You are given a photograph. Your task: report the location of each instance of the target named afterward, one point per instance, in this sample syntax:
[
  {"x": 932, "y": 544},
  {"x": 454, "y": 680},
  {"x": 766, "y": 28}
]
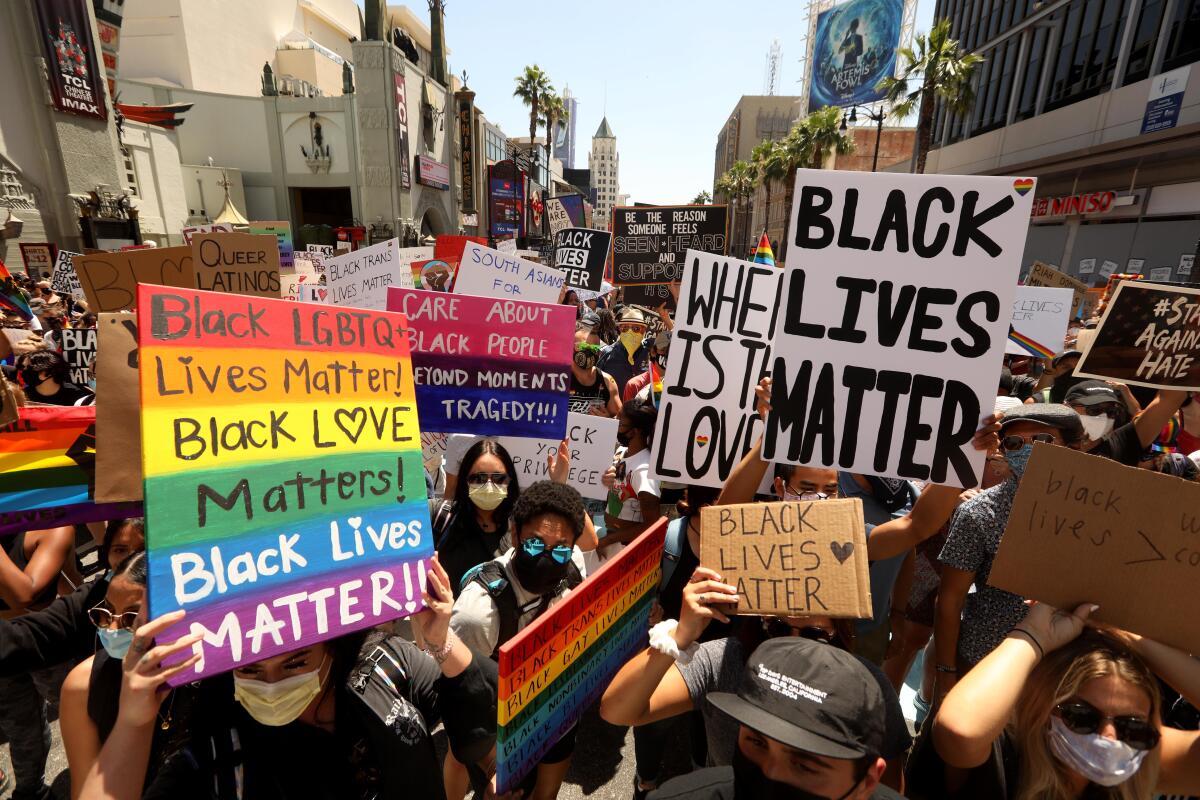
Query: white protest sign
[
  {"x": 63, "y": 278},
  {"x": 485, "y": 272},
  {"x": 894, "y": 318},
  {"x": 1134, "y": 266},
  {"x": 1161, "y": 273},
  {"x": 292, "y": 284},
  {"x": 361, "y": 278},
  {"x": 1185, "y": 263},
  {"x": 720, "y": 349},
  {"x": 323, "y": 250},
  {"x": 506, "y": 246},
  {"x": 557, "y": 216},
  {"x": 1107, "y": 268},
  {"x": 593, "y": 441},
  {"x": 1039, "y": 321},
  {"x": 1087, "y": 266}
]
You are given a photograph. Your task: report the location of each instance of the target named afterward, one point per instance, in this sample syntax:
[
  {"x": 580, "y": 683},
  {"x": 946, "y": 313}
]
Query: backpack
[
  {"x": 672, "y": 549},
  {"x": 494, "y": 580}
]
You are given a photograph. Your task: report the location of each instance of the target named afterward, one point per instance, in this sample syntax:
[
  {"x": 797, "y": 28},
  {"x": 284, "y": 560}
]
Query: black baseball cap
[
  {"x": 1054, "y": 362},
  {"x": 1054, "y": 415},
  {"x": 1091, "y": 393},
  {"x": 810, "y": 696}
]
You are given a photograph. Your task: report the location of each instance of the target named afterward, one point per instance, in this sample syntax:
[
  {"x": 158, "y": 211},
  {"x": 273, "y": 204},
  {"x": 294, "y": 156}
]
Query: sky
[{"x": 667, "y": 72}]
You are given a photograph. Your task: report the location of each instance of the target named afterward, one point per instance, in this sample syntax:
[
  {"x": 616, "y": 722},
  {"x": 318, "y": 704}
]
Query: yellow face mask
[
  {"x": 631, "y": 340},
  {"x": 278, "y": 703}
]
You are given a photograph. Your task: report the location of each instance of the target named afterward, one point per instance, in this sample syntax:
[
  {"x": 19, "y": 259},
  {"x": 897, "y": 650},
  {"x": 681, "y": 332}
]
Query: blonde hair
[{"x": 1057, "y": 678}]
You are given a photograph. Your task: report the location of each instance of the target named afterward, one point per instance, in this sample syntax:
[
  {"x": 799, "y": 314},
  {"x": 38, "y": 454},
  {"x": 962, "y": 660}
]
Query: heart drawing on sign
[
  {"x": 1023, "y": 185},
  {"x": 322, "y": 294},
  {"x": 842, "y": 550},
  {"x": 357, "y": 416},
  {"x": 355, "y": 522},
  {"x": 702, "y": 440}
]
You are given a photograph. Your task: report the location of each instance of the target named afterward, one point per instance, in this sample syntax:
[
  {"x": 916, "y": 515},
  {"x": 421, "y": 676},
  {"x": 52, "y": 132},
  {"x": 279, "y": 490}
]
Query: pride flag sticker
[{"x": 1023, "y": 185}]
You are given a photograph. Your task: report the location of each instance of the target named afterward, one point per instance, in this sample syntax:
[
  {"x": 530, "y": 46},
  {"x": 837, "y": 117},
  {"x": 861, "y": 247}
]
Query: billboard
[
  {"x": 505, "y": 200},
  {"x": 854, "y": 47}
]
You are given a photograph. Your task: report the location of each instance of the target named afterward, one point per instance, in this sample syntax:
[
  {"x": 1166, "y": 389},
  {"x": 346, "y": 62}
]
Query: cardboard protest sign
[
  {"x": 433, "y": 450},
  {"x": 39, "y": 258},
  {"x": 8, "y": 402},
  {"x": 282, "y": 231},
  {"x": 557, "y": 667},
  {"x": 237, "y": 263},
  {"x": 907, "y": 334},
  {"x": 1042, "y": 274},
  {"x": 488, "y": 366},
  {"x": 283, "y": 478},
  {"x": 64, "y": 279},
  {"x": 192, "y": 230},
  {"x": 790, "y": 558},
  {"x": 1039, "y": 321},
  {"x": 485, "y": 272},
  {"x": 581, "y": 254},
  {"x": 720, "y": 349},
  {"x": 593, "y": 440},
  {"x": 1149, "y": 336},
  {"x": 110, "y": 280},
  {"x": 1134, "y": 532},
  {"x": 47, "y": 469},
  {"x": 118, "y": 421},
  {"x": 649, "y": 242},
  {"x": 78, "y": 350},
  {"x": 361, "y": 279}
]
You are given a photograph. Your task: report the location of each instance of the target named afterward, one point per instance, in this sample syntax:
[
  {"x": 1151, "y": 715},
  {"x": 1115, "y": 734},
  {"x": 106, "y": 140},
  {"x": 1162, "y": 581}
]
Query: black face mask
[
  {"x": 32, "y": 378},
  {"x": 584, "y": 360},
  {"x": 539, "y": 574},
  {"x": 1062, "y": 384},
  {"x": 749, "y": 781}
]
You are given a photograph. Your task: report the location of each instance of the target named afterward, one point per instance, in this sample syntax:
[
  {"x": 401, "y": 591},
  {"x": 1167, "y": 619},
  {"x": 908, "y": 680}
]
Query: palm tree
[
  {"x": 770, "y": 161},
  {"x": 738, "y": 185},
  {"x": 553, "y": 112},
  {"x": 703, "y": 198},
  {"x": 532, "y": 85},
  {"x": 947, "y": 73},
  {"x": 822, "y": 136}
]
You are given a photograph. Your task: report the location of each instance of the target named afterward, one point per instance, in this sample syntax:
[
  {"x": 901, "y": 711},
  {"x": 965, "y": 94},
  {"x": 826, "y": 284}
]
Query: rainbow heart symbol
[
  {"x": 1023, "y": 186},
  {"x": 702, "y": 440}
]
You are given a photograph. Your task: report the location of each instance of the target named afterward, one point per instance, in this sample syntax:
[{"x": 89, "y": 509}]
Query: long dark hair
[
  {"x": 462, "y": 500},
  {"x": 113, "y": 527},
  {"x": 606, "y": 326}
]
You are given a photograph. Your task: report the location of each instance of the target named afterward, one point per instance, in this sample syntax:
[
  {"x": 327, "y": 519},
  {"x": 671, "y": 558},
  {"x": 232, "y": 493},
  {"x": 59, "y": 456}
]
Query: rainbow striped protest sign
[
  {"x": 552, "y": 671},
  {"x": 284, "y": 489},
  {"x": 48, "y": 470}
]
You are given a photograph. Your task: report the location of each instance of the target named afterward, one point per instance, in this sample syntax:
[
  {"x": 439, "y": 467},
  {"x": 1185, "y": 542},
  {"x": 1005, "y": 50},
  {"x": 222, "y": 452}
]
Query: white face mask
[
  {"x": 1105, "y": 762},
  {"x": 1096, "y": 428}
]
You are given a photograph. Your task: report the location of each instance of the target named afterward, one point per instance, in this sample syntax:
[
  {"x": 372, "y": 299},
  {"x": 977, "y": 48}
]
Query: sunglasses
[
  {"x": 1082, "y": 717},
  {"x": 1105, "y": 408},
  {"x": 480, "y": 478},
  {"x": 1013, "y": 442},
  {"x": 101, "y": 617},
  {"x": 535, "y": 547}
]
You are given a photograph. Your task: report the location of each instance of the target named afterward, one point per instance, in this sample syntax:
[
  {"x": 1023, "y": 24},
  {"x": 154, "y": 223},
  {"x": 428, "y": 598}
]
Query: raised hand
[
  {"x": 558, "y": 462},
  {"x": 702, "y": 596},
  {"x": 144, "y": 683},
  {"x": 434, "y": 621}
]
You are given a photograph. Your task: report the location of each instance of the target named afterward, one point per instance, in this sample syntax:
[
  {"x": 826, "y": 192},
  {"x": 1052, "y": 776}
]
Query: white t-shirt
[{"x": 623, "y": 500}]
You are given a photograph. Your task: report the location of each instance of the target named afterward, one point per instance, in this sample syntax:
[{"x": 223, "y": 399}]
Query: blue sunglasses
[{"x": 535, "y": 547}]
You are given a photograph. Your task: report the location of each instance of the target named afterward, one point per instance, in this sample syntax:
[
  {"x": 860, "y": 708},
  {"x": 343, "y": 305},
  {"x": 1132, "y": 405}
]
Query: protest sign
[
  {"x": 1161, "y": 273},
  {"x": 720, "y": 349},
  {"x": 324, "y": 250},
  {"x": 790, "y": 558},
  {"x": 485, "y": 272},
  {"x": 39, "y": 258},
  {"x": 433, "y": 450},
  {"x": 486, "y": 366},
  {"x": 1106, "y": 269},
  {"x": 64, "y": 278},
  {"x": 556, "y": 215},
  {"x": 47, "y": 468},
  {"x": 649, "y": 296},
  {"x": 1149, "y": 336},
  {"x": 78, "y": 350},
  {"x": 118, "y": 423},
  {"x": 450, "y": 248},
  {"x": 237, "y": 263},
  {"x": 361, "y": 279},
  {"x": 1134, "y": 265},
  {"x": 1135, "y": 530},
  {"x": 8, "y": 402},
  {"x": 507, "y": 246},
  {"x": 1186, "y": 262},
  {"x": 1087, "y": 266},
  {"x": 1091, "y": 303},
  {"x": 216, "y": 227},
  {"x": 593, "y": 440},
  {"x": 282, "y": 231},
  {"x": 557, "y": 667},
  {"x": 292, "y": 284},
  {"x": 1039, "y": 321},
  {"x": 283, "y": 478},
  {"x": 110, "y": 280},
  {"x": 1042, "y": 274},
  {"x": 907, "y": 333},
  {"x": 581, "y": 254},
  {"x": 649, "y": 242}
]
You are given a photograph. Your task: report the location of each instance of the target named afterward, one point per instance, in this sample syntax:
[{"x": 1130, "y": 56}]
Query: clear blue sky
[{"x": 672, "y": 71}]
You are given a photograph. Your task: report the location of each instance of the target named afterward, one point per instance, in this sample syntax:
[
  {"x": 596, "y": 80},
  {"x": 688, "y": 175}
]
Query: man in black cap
[
  {"x": 812, "y": 727},
  {"x": 1103, "y": 408}
]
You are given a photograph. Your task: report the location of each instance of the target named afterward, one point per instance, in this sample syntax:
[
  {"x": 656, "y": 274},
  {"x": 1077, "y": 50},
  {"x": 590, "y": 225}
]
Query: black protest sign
[
  {"x": 895, "y": 317},
  {"x": 649, "y": 296},
  {"x": 1149, "y": 336},
  {"x": 580, "y": 253},
  {"x": 78, "y": 350},
  {"x": 649, "y": 242}
]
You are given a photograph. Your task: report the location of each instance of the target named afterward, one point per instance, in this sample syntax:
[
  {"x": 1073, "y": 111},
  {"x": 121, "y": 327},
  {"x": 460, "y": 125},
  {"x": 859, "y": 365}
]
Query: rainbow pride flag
[
  {"x": 656, "y": 384},
  {"x": 47, "y": 470},
  {"x": 1039, "y": 350},
  {"x": 12, "y": 299},
  {"x": 763, "y": 254},
  {"x": 284, "y": 484}
]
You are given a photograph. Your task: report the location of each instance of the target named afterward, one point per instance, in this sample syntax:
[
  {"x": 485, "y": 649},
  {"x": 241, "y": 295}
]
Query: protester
[
  {"x": 658, "y": 348},
  {"x": 1114, "y": 425},
  {"x": 45, "y": 374},
  {"x": 628, "y": 355},
  {"x": 571, "y": 298},
  {"x": 633, "y": 500},
  {"x": 605, "y": 330},
  {"x": 1058, "y": 378},
  {"x": 592, "y": 391}
]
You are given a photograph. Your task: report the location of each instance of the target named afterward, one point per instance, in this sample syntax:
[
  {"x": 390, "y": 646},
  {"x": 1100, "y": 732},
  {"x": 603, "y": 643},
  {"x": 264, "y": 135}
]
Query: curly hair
[
  {"x": 548, "y": 497},
  {"x": 47, "y": 361}
]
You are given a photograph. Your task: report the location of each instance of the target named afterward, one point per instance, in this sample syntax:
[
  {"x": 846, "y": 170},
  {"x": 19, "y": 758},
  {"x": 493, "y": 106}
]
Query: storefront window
[
  {"x": 1183, "y": 36},
  {"x": 1032, "y": 77},
  {"x": 1144, "y": 39}
]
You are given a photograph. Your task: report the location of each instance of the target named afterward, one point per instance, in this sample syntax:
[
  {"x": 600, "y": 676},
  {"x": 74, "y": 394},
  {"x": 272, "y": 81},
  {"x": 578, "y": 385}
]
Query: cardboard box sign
[
  {"x": 1134, "y": 536},
  {"x": 790, "y": 559},
  {"x": 109, "y": 280}
]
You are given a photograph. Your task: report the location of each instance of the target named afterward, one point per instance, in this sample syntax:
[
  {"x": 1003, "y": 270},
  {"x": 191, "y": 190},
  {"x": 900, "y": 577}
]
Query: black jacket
[{"x": 59, "y": 632}]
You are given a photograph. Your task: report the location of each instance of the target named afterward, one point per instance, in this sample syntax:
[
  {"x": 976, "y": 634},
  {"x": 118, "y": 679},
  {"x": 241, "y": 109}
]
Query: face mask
[
  {"x": 632, "y": 340},
  {"x": 1105, "y": 762},
  {"x": 538, "y": 574},
  {"x": 584, "y": 360},
  {"x": 1017, "y": 459},
  {"x": 91, "y": 384},
  {"x": 1096, "y": 428},
  {"x": 749, "y": 781},
  {"x": 489, "y": 496},
  {"x": 116, "y": 643},
  {"x": 278, "y": 703},
  {"x": 32, "y": 378}
]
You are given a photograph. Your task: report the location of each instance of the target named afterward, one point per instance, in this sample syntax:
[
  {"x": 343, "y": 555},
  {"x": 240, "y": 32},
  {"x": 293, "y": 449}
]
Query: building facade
[
  {"x": 1096, "y": 99},
  {"x": 564, "y": 134},
  {"x": 605, "y": 165}
]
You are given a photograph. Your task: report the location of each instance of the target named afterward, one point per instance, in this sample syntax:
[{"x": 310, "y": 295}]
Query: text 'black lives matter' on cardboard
[
  {"x": 581, "y": 253},
  {"x": 1149, "y": 336},
  {"x": 720, "y": 350},
  {"x": 896, "y": 307},
  {"x": 1135, "y": 535},
  {"x": 790, "y": 558},
  {"x": 649, "y": 242}
]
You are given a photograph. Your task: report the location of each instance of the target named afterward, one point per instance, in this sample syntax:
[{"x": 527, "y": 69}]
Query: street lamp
[{"x": 875, "y": 116}]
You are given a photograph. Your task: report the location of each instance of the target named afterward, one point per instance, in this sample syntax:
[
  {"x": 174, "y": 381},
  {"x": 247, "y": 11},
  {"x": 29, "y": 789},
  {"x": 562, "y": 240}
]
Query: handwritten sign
[
  {"x": 78, "y": 350},
  {"x": 593, "y": 440},
  {"x": 1149, "y": 336},
  {"x": 556, "y": 668},
  {"x": 118, "y": 422},
  {"x": 581, "y": 254},
  {"x": 192, "y": 230},
  {"x": 1161, "y": 273},
  {"x": 110, "y": 280},
  {"x": 1087, "y": 266},
  {"x": 1107, "y": 268},
  {"x": 40, "y": 259},
  {"x": 237, "y": 263},
  {"x": 282, "y": 231},
  {"x": 1039, "y": 321},
  {"x": 285, "y": 497},
  {"x": 556, "y": 215},
  {"x": 649, "y": 242},
  {"x": 488, "y": 366},
  {"x": 721, "y": 348},
  {"x": 64, "y": 279},
  {"x": 361, "y": 279},
  {"x": 886, "y": 364},
  {"x": 1042, "y": 274},
  {"x": 1137, "y": 532},
  {"x": 791, "y": 558},
  {"x": 485, "y": 272}
]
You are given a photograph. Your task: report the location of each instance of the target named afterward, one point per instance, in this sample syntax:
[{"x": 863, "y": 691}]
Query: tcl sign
[{"x": 1090, "y": 203}]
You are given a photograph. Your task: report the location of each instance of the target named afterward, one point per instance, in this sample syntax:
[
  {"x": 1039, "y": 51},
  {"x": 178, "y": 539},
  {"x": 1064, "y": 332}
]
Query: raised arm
[
  {"x": 747, "y": 476},
  {"x": 1150, "y": 422}
]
